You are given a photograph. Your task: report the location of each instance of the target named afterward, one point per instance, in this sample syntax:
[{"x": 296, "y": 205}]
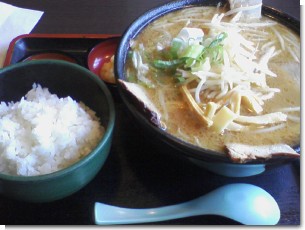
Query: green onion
[
  {"x": 215, "y": 50},
  {"x": 180, "y": 79},
  {"x": 192, "y": 57},
  {"x": 129, "y": 54},
  {"x": 189, "y": 62},
  {"x": 193, "y": 51},
  {"x": 220, "y": 37},
  {"x": 160, "y": 64},
  {"x": 132, "y": 78},
  {"x": 175, "y": 47}
]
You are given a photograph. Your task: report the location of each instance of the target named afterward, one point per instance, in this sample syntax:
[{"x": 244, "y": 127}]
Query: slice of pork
[
  {"x": 242, "y": 153},
  {"x": 249, "y": 8},
  {"x": 143, "y": 102}
]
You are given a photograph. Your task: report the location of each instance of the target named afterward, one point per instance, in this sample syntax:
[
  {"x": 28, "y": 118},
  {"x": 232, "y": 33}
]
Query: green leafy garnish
[
  {"x": 220, "y": 37},
  {"x": 191, "y": 57},
  {"x": 132, "y": 78},
  {"x": 171, "y": 64}
]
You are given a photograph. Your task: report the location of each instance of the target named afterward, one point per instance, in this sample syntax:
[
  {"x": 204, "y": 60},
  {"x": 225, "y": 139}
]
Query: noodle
[{"x": 245, "y": 73}]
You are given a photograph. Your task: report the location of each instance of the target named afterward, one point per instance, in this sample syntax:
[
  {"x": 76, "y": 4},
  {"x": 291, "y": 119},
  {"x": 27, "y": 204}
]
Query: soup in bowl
[{"x": 219, "y": 81}]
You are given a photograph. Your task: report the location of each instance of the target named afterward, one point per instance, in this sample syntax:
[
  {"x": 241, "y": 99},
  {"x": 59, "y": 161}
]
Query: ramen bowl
[
  {"x": 209, "y": 159},
  {"x": 63, "y": 79}
]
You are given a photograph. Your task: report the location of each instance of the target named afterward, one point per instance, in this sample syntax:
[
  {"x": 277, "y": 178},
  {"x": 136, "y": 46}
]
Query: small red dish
[
  {"x": 50, "y": 55},
  {"x": 101, "y": 54}
]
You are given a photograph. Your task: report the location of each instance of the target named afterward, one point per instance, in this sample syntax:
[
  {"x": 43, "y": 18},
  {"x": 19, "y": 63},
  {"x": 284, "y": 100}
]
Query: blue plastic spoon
[{"x": 244, "y": 203}]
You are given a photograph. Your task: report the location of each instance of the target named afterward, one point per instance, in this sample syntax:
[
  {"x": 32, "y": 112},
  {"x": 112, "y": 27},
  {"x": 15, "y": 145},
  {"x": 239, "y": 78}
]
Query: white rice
[{"x": 42, "y": 133}]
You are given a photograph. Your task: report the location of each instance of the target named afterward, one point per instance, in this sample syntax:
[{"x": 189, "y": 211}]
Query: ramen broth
[{"x": 176, "y": 115}]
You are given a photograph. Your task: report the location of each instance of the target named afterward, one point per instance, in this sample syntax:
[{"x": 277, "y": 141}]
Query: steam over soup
[{"x": 217, "y": 79}]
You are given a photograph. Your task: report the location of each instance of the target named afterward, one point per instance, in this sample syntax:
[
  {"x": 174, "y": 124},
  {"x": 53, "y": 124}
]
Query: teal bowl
[{"x": 64, "y": 79}]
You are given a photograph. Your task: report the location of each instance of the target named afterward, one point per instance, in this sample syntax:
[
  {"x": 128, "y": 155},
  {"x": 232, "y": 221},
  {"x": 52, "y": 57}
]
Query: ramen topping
[{"x": 231, "y": 75}]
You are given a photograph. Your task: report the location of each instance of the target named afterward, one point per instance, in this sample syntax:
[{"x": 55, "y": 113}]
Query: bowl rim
[
  {"x": 52, "y": 55},
  {"x": 135, "y": 29},
  {"x": 102, "y": 142}
]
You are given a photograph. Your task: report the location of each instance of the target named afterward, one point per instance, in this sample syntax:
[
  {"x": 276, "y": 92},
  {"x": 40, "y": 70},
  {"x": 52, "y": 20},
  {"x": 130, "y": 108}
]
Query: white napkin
[{"x": 15, "y": 21}]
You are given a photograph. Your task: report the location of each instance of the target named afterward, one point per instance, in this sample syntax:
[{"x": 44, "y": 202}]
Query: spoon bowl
[{"x": 244, "y": 203}]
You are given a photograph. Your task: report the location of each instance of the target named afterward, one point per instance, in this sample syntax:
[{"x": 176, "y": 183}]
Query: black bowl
[{"x": 210, "y": 160}]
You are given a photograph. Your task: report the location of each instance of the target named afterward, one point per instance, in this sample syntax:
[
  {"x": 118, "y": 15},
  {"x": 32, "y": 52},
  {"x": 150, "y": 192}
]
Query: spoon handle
[
  {"x": 109, "y": 215},
  {"x": 244, "y": 203}
]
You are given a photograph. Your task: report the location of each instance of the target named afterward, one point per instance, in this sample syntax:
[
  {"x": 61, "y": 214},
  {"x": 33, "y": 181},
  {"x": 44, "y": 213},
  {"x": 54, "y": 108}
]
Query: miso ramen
[{"x": 217, "y": 79}]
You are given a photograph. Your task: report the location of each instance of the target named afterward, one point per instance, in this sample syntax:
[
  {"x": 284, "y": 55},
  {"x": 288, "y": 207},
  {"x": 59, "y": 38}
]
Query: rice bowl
[{"x": 63, "y": 79}]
